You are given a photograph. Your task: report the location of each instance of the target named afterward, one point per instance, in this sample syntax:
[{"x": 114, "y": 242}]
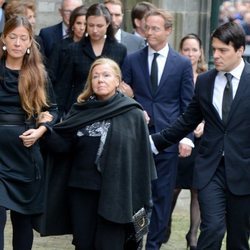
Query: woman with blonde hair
[
  {"x": 24, "y": 96},
  {"x": 110, "y": 164}
]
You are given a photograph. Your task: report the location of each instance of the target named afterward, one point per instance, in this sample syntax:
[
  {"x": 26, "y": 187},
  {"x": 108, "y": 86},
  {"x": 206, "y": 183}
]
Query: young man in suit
[
  {"x": 57, "y": 32},
  {"x": 222, "y": 170},
  {"x": 164, "y": 99},
  {"x": 137, "y": 17},
  {"x": 132, "y": 42}
]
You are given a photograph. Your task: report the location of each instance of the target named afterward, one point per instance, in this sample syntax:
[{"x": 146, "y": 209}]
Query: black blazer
[
  {"x": 51, "y": 35},
  {"x": 230, "y": 139},
  {"x": 76, "y": 65},
  {"x": 57, "y": 55}
]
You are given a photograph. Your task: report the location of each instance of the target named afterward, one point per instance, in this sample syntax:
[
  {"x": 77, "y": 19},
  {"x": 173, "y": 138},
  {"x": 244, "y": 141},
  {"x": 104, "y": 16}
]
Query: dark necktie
[
  {"x": 154, "y": 73},
  {"x": 227, "y": 97}
]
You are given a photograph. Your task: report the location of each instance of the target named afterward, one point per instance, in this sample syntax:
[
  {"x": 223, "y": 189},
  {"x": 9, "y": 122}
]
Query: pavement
[{"x": 176, "y": 241}]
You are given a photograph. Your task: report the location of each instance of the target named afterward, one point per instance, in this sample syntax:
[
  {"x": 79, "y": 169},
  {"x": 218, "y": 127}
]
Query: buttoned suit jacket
[
  {"x": 132, "y": 42},
  {"x": 173, "y": 94},
  {"x": 231, "y": 139},
  {"x": 51, "y": 35}
]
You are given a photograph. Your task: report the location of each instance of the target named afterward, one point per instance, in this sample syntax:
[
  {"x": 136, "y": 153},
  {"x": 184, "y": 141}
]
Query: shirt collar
[
  {"x": 164, "y": 51},
  {"x": 236, "y": 72},
  {"x": 118, "y": 35}
]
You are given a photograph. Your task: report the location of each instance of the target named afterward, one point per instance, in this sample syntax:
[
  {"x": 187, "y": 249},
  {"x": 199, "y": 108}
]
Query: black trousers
[
  {"x": 91, "y": 231},
  {"x": 223, "y": 211}
]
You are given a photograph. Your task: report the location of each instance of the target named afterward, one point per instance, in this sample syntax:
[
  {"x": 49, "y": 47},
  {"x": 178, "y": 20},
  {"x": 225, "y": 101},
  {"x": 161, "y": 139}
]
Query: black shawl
[{"x": 127, "y": 164}]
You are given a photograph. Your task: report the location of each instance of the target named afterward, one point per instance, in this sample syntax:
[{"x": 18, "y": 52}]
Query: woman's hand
[
  {"x": 44, "y": 117},
  {"x": 126, "y": 89},
  {"x": 30, "y": 136}
]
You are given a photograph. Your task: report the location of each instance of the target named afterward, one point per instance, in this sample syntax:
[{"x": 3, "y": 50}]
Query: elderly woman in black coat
[{"x": 110, "y": 164}]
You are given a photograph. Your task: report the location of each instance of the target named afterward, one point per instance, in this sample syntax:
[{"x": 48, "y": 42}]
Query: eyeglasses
[
  {"x": 66, "y": 12},
  {"x": 154, "y": 29}
]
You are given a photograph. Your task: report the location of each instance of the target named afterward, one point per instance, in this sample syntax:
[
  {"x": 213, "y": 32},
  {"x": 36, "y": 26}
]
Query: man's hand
[{"x": 184, "y": 150}]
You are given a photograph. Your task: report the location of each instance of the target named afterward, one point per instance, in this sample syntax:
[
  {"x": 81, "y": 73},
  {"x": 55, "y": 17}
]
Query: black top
[
  {"x": 76, "y": 65},
  {"x": 21, "y": 168}
]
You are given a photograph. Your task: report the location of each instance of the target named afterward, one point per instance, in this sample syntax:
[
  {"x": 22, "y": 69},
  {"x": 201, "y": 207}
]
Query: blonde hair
[
  {"x": 166, "y": 15},
  {"x": 18, "y": 8},
  {"x": 201, "y": 66},
  {"x": 88, "y": 90},
  {"x": 32, "y": 77}
]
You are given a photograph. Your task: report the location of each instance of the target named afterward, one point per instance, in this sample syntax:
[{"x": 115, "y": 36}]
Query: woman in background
[
  {"x": 98, "y": 41},
  {"x": 77, "y": 25},
  {"x": 25, "y": 8},
  {"x": 191, "y": 47},
  {"x": 24, "y": 94}
]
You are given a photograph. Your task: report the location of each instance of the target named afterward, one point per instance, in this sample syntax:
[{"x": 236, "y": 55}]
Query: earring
[
  {"x": 86, "y": 34},
  {"x": 4, "y": 48},
  {"x": 28, "y": 51},
  {"x": 105, "y": 36}
]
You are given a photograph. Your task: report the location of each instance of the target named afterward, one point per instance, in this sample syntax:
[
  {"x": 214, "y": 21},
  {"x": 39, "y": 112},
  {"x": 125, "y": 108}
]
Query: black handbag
[{"x": 140, "y": 222}]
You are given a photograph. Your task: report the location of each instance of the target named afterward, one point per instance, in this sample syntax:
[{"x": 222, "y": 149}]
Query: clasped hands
[{"x": 30, "y": 136}]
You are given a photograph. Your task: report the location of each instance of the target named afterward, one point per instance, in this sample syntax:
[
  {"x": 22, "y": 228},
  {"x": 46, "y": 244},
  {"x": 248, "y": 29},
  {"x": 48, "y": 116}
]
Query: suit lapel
[
  {"x": 169, "y": 67},
  {"x": 242, "y": 88},
  {"x": 143, "y": 63},
  {"x": 208, "y": 90}
]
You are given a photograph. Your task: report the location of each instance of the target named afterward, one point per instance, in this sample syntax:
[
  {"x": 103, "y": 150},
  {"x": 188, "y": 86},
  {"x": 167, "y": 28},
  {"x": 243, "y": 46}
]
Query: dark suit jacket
[
  {"x": 56, "y": 58},
  {"x": 51, "y": 35},
  {"x": 132, "y": 42},
  {"x": 231, "y": 138},
  {"x": 76, "y": 65},
  {"x": 174, "y": 92}
]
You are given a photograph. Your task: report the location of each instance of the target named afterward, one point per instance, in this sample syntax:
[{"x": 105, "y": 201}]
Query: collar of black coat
[{"x": 82, "y": 114}]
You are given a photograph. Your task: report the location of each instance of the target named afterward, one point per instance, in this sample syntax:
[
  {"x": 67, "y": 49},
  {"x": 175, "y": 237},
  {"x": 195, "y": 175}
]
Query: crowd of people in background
[{"x": 98, "y": 123}]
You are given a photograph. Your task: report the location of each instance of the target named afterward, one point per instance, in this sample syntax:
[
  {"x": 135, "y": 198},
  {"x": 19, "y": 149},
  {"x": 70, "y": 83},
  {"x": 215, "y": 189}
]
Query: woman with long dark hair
[{"x": 25, "y": 95}]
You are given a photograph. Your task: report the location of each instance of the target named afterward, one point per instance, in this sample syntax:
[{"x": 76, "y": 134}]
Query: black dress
[{"x": 21, "y": 168}]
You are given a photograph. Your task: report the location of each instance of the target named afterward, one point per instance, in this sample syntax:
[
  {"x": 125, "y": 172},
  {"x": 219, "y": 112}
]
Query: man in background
[
  {"x": 55, "y": 33},
  {"x": 131, "y": 41},
  {"x": 137, "y": 17},
  {"x": 162, "y": 81}
]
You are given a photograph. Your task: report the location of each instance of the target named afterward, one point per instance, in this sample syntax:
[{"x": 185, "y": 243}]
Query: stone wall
[{"x": 190, "y": 16}]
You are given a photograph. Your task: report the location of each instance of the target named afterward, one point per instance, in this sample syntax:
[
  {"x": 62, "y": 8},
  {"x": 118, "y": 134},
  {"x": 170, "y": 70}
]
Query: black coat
[
  {"x": 76, "y": 65},
  {"x": 126, "y": 163}
]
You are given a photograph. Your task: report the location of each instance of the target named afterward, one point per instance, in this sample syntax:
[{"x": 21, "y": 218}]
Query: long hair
[
  {"x": 201, "y": 66},
  {"x": 88, "y": 90},
  {"x": 32, "y": 77},
  {"x": 79, "y": 11}
]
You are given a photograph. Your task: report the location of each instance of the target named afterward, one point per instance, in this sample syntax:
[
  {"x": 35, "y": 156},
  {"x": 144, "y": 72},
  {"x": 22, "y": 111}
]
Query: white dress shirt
[
  {"x": 220, "y": 83},
  {"x": 161, "y": 61}
]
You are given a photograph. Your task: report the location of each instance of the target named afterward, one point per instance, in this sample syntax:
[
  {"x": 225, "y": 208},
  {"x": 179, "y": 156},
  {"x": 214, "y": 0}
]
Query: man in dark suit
[
  {"x": 57, "y": 32},
  {"x": 163, "y": 103},
  {"x": 132, "y": 42},
  {"x": 222, "y": 170}
]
